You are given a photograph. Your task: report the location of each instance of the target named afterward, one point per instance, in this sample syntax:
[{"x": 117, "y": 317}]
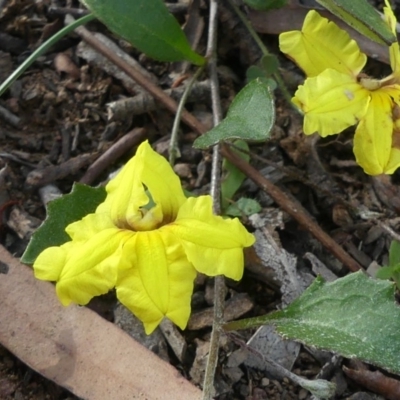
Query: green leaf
[
  {"x": 355, "y": 316},
  {"x": 255, "y": 72},
  {"x": 148, "y": 25},
  {"x": 233, "y": 177},
  {"x": 61, "y": 212},
  {"x": 363, "y": 17},
  {"x": 251, "y": 116},
  {"x": 394, "y": 253},
  {"x": 265, "y": 5},
  {"x": 392, "y": 271},
  {"x": 242, "y": 207},
  {"x": 270, "y": 64},
  {"x": 385, "y": 272}
]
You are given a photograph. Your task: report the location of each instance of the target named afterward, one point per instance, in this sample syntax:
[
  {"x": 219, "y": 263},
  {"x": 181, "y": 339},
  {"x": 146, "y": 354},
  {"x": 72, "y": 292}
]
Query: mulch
[{"x": 72, "y": 117}]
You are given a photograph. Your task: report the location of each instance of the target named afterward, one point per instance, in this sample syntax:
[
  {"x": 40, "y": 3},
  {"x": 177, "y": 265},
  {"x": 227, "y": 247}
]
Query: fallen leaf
[{"x": 76, "y": 348}]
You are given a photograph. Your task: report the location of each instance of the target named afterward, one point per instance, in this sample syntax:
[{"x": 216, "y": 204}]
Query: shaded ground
[{"x": 58, "y": 115}]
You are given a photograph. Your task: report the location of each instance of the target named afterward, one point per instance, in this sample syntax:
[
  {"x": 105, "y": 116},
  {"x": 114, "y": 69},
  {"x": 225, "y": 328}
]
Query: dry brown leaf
[
  {"x": 375, "y": 381},
  {"x": 76, "y": 348}
]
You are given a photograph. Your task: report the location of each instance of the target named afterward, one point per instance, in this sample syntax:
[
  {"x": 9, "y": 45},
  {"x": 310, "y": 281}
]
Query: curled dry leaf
[
  {"x": 63, "y": 63},
  {"x": 376, "y": 382}
]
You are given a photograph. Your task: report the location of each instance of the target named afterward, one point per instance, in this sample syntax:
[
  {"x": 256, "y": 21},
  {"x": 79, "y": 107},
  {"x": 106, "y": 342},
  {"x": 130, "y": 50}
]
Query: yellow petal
[
  {"x": 389, "y": 16},
  {"x": 394, "y": 52},
  {"x": 321, "y": 44},
  {"x": 162, "y": 182},
  {"x": 212, "y": 244},
  {"x": 89, "y": 226},
  {"x": 126, "y": 193},
  {"x": 50, "y": 262},
  {"x": 394, "y": 161},
  {"x": 331, "y": 102},
  {"x": 393, "y": 91},
  {"x": 160, "y": 282},
  {"x": 373, "y": 138},
  {"x": 91, "y": 267}
]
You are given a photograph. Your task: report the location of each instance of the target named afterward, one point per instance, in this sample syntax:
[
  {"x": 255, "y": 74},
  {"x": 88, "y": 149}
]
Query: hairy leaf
[
  {"x": 61, "y": 212},
  {"x": 251, "y": 116},
  {"x": 355, "y": 316},
  {"x": 243, "y": 206}
]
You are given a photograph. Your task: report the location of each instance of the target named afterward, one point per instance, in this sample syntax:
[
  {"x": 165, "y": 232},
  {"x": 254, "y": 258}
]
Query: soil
[{"x": 58, "y": 116}]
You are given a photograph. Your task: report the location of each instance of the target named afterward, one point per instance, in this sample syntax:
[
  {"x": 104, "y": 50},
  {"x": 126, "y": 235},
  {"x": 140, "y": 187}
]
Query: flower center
[
  {"x": 150, "y": 220},
  {"x": 370, "y": 84},
  {"x": 375, "y": 84}
]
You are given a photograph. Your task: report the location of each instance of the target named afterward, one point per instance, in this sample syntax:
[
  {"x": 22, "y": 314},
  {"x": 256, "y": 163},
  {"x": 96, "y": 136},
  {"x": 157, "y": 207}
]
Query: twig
[
  {"x": 43, "y": 176},
  {"x": 295, "y": 210},
  {"x": 123, "y": 145},
  {"x": 389, "y": 230},
  {"x": 219, "y": 282},
  {"x": 290, "y": 172},
  {"x": 97, "y": 60},
  {"x": 144, "y": 102},
  {"x": 18, "y": 160},
  {"x": 62, "y": 11},
  {"x": 9, "y": 117},
  {"x": 151, "y": 87}
]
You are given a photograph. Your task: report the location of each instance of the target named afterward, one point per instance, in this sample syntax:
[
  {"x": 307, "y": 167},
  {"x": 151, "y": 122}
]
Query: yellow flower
[
  {"x": 147, "y": 240},
  {"x": 337, "y": 94}
]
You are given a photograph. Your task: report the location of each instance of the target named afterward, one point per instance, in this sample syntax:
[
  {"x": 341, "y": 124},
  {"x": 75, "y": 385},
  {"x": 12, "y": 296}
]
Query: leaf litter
[{"x": 61, "y": 115}]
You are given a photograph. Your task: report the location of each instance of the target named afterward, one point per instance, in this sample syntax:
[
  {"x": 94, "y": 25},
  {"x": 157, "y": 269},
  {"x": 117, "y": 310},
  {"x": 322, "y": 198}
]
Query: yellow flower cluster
[
  {"x": 337, "y": 94},
  {"x": 147, "y": 240}
]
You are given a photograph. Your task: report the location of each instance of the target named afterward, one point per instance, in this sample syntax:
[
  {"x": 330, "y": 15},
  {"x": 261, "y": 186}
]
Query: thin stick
[
  {"x": 132, "y": 138},
  {"x": 219, "y": 282},
  {"x": 146, "y": 83},
  {"x": 293, "y": 208},
  {"x": 9, "y": 117}
]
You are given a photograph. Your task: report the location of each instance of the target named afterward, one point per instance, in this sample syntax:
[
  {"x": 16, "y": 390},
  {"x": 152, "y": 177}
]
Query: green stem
[
  {"x": 41, "y": 50},
  {"x": 277, "y": 76},
  {"x": 173, "y": 144}
]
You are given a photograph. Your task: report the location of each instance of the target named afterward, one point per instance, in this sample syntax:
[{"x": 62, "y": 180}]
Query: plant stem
[
  {"x": 41, "y": 50},
  {"x": 173, "y": 149},
  {"x": 219, "y": 283}
]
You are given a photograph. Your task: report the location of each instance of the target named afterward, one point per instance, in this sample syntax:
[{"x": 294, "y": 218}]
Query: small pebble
[
  {"x": 303, "y": 394},
  {"x": 265, "y": 382},
  {"x": 183, "y": 170}
]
